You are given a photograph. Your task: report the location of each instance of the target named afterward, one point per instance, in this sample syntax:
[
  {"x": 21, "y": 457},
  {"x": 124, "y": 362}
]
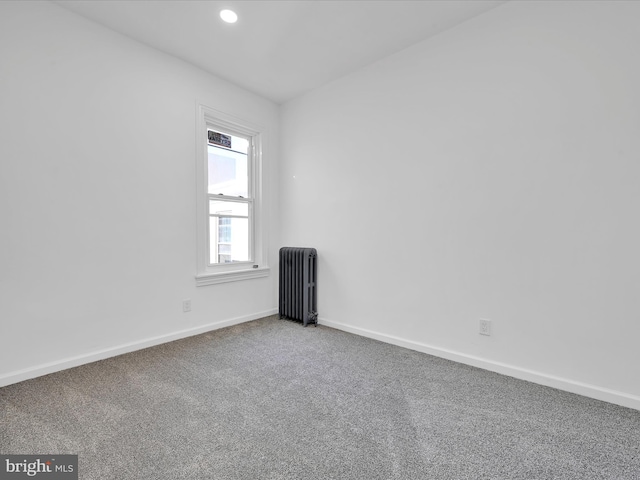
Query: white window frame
[{"x": 209, "y": 274}]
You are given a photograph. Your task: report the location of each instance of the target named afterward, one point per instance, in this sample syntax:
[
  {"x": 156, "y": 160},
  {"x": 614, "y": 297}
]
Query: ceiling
[{"x": 280, "y": 49}]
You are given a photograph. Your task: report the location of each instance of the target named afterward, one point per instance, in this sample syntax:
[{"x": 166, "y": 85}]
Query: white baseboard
[
  {"x": 591, "y": 391},
  {"x": 56, "y": 366}
]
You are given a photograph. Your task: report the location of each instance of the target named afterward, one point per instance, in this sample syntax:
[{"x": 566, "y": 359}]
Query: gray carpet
[{"x": 270, "y": 399}]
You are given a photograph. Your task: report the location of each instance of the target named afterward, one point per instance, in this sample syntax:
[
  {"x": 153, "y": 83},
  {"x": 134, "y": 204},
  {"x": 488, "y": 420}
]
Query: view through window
[{"x": 230, "y": 198}]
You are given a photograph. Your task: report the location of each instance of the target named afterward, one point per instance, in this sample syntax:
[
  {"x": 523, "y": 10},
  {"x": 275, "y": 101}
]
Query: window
[{"x": 230, "y": 225}]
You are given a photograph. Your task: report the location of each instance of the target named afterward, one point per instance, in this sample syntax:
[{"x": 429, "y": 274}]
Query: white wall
[
  {"x": 97, "y": 193},
  {"x": 515, "y": 197}
]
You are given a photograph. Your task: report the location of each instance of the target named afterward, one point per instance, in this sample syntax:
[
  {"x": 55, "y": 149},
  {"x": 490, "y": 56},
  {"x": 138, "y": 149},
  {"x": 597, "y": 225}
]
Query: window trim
[{"x": 221, "y": 273}]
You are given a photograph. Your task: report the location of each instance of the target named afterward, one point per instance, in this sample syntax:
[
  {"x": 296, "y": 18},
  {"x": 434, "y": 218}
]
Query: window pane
[
  {"x": 227, "y": 165},
  {"x": 229, "y": 239}
]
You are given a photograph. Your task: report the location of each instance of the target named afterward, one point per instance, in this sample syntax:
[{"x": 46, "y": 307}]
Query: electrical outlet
[
  {"x": 485, "y": 327},
  {"x": 186, "y": 306}
]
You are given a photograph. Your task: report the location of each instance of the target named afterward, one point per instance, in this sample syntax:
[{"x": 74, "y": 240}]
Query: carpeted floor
[{"x": 270, "y": 399}]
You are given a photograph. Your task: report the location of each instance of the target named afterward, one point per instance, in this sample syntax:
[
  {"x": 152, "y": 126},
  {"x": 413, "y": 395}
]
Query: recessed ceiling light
[{"x": 229, "y": 16}]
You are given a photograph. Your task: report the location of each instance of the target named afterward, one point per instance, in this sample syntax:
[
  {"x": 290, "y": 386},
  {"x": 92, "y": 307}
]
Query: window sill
[{"x": 204, "y": 279}]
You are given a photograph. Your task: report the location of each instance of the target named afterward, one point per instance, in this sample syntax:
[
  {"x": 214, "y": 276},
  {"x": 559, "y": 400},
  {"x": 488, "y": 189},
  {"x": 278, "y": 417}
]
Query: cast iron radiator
[{"x": 298, "y": 295}]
